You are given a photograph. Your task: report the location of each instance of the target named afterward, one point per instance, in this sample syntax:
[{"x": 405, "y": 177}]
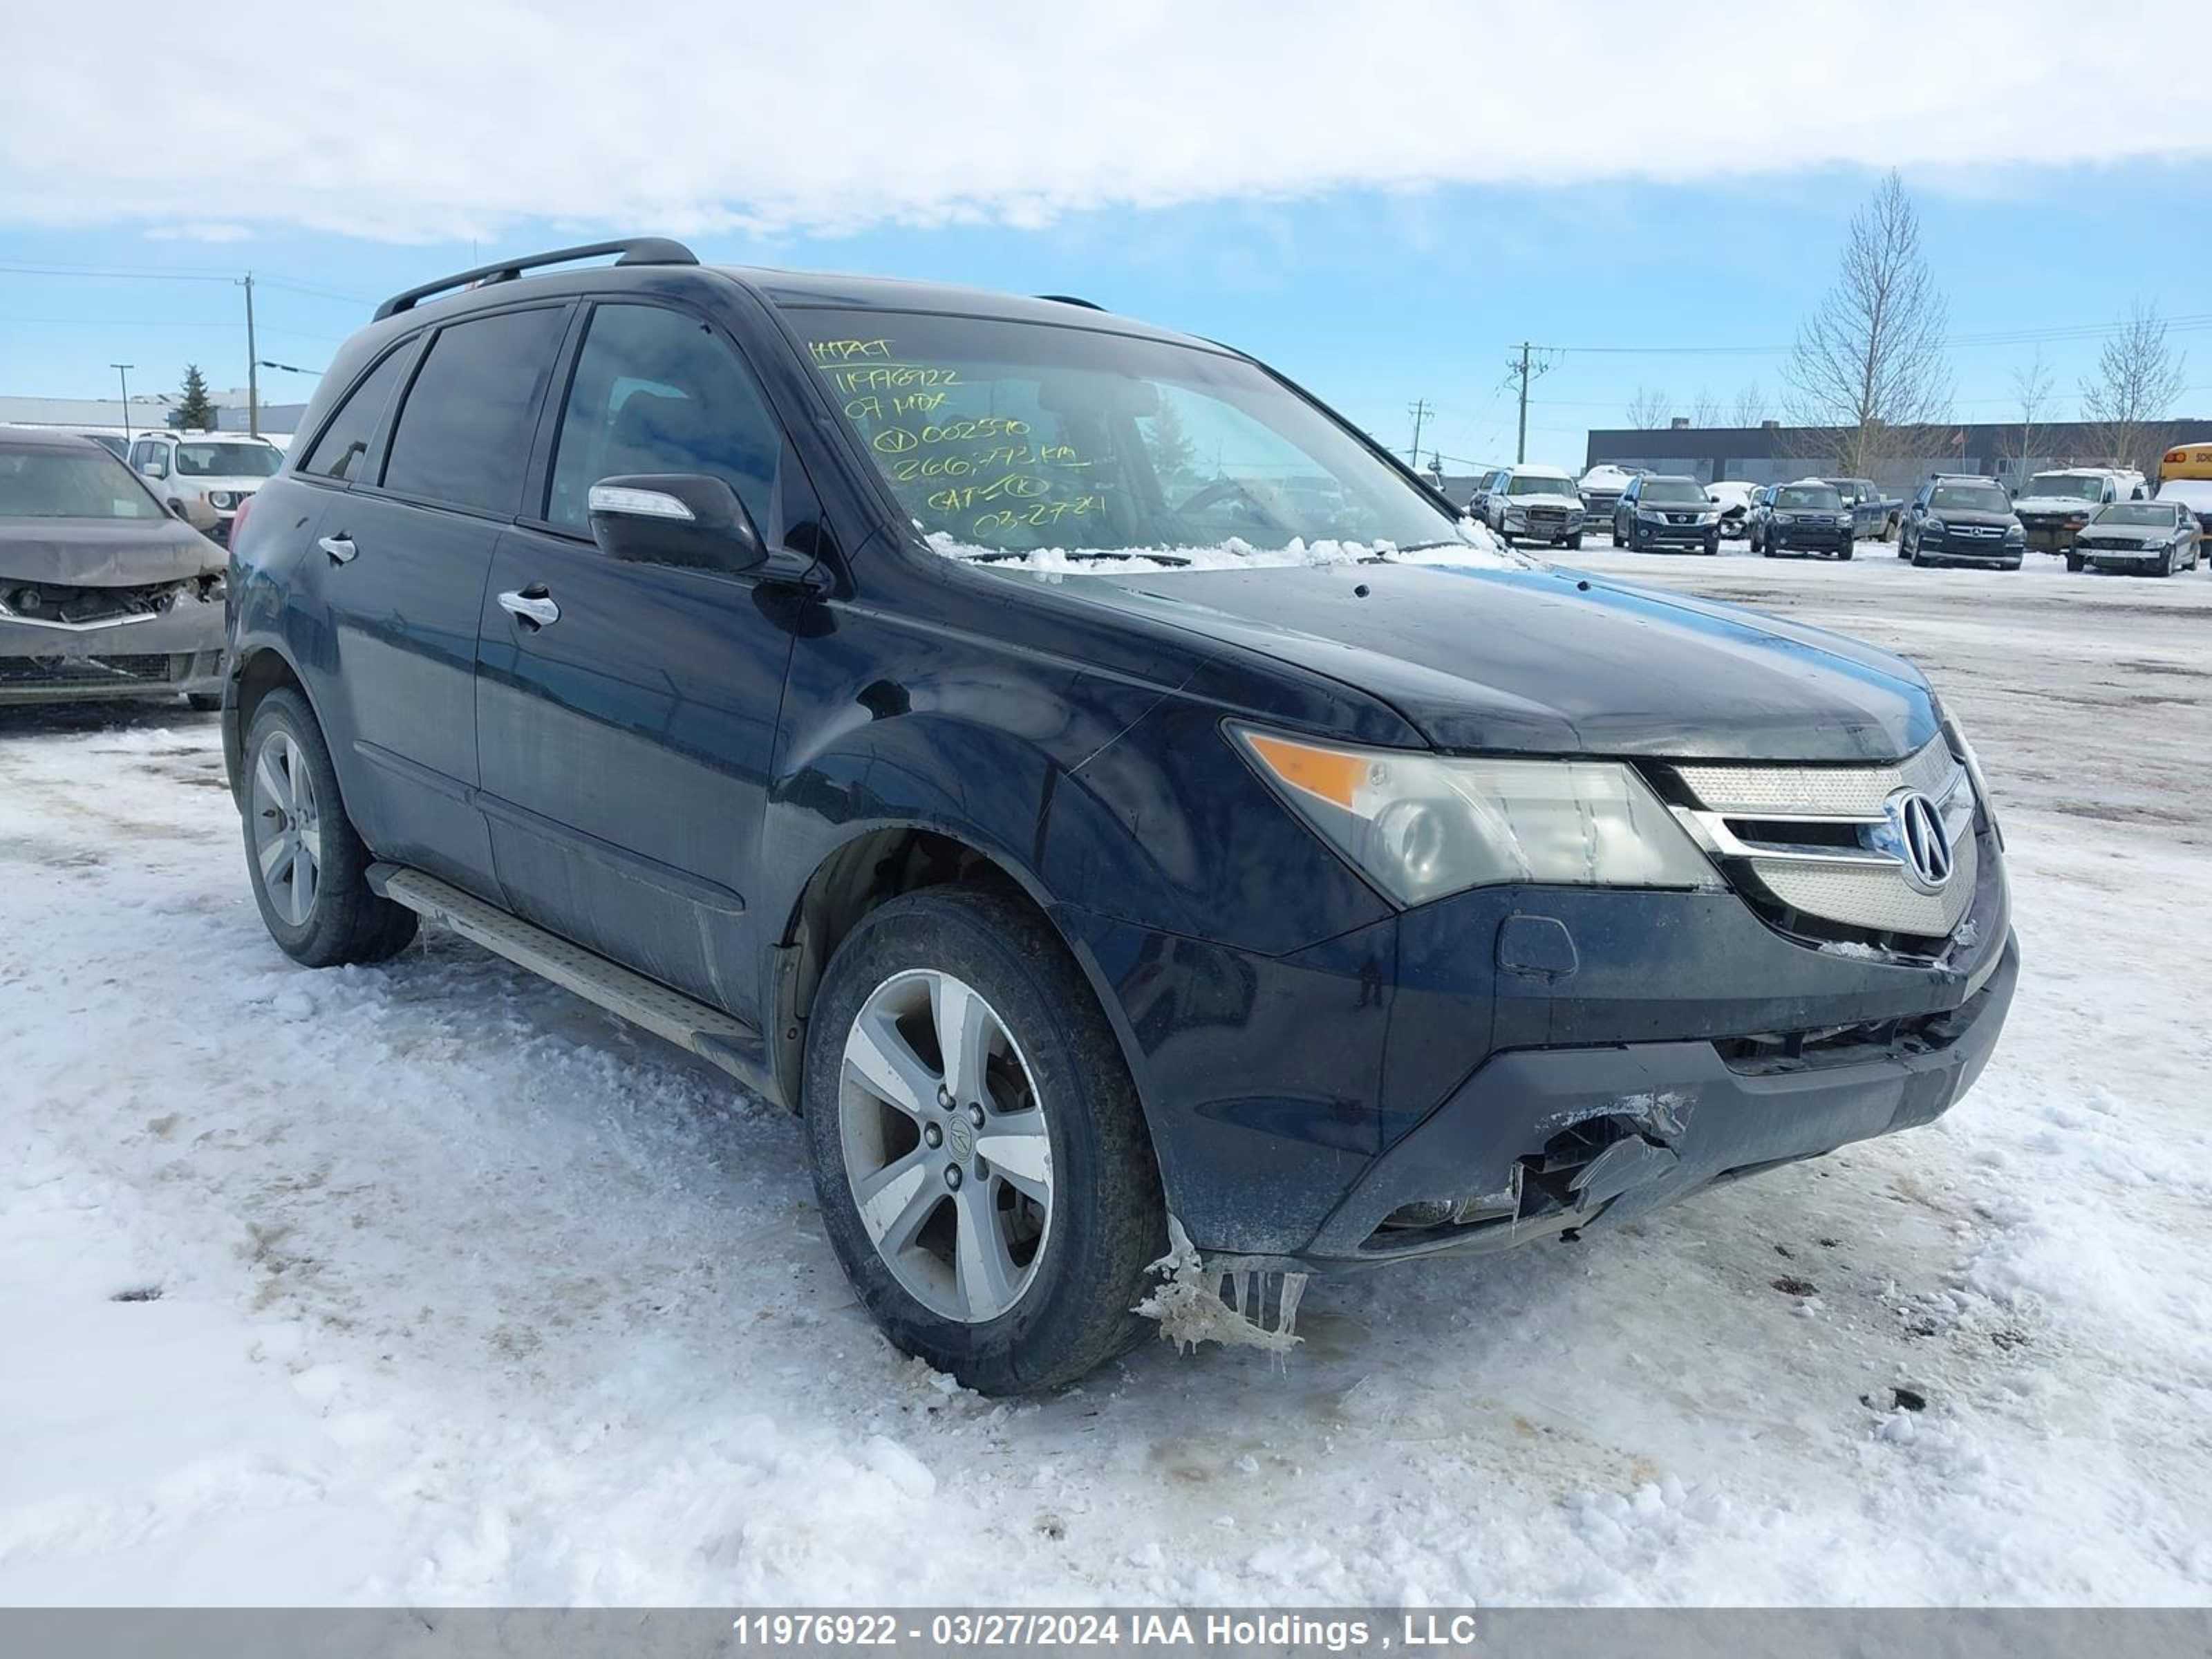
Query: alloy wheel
[
  {"x": 945, "y": 1146},
  {"x": 288, "y": 837}
]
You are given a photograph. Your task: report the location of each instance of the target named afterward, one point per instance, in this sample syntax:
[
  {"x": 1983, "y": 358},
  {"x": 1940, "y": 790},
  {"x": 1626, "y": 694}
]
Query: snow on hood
[
  {"x": 1475, "y": 547},
  {"x": 1605, "y": 476}
]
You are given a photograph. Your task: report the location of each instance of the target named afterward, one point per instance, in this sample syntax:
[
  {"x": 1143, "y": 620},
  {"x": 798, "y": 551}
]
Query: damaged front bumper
[
  {"x": 1542, "y": 1140},
  {"x": 179, "y": 650}
]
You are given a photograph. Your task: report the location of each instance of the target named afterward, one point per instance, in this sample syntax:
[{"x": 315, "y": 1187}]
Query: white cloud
[
  {"x": 408, "y": 119},
  {"x": 198, "y": 231}
]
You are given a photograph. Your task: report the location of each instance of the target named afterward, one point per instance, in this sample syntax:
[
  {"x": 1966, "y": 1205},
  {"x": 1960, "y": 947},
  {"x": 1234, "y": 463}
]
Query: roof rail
[
  {"x": 1071, "y": 299},
  {"x": 634, "y": 250}
]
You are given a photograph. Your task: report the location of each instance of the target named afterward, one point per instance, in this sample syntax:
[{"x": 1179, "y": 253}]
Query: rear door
[
  {"x": 403, "y": 555},
  {"x": 626, "y": 744}
]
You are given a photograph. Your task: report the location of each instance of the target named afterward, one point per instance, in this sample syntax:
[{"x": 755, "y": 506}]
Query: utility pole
[
  {"x": 1520, "y": 441},
  {"x": 253, "y": 366},
  {"x": 1420, "y": 411},
  {"x": 123, "y": 373}
]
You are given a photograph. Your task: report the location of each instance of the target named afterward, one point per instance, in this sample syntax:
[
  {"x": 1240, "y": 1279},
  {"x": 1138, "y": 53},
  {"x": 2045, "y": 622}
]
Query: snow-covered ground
[{"x": 428, "y": 1283}]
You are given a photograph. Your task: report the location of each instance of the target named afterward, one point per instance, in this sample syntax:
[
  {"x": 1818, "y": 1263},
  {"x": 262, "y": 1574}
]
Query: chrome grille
[{"x": 1819, "y": 840}]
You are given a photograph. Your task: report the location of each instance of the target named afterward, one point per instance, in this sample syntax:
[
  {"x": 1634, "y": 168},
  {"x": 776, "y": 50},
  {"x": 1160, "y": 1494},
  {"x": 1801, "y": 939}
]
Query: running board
[{"x": 720, "y": 1039}]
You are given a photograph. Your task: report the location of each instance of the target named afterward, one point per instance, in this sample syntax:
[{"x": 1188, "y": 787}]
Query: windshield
[
  {"x": 1007, "y": 438},
  {"x": 2158, "y": 514},
  {"x": 226, "y": 461},
  {"x": 1809, "y": 496},
  {"x": 1540, "y": 483},
  {"x": 1673, "y": 492},
  {"x": 1968, "y": 498},
  {"x": 70, "y": 483},
  {"x": 2069, "y": 484}
]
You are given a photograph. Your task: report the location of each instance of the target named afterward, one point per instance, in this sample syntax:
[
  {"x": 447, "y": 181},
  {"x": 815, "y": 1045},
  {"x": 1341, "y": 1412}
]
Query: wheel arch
[{"x": 867, "y": 870}]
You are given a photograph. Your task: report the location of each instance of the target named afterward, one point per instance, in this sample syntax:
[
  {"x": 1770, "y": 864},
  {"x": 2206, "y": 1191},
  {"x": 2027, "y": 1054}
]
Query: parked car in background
[
  {"x": 1654, "y": 511},
  {"x": 1381, "y": 910},
  {"x": 103, "y": 591},
  {"x": 1808, "y": 516},
  {"x": 1601, "y": 487},
  {"x": 220, "y": 470},
  {"x": 2153, "y": 538},
  {"x": 1875, "y": 516},
  {"x": 113, "y": 443},
  {"x": 1732, "y": 498},
  {"x": 1490, "y": 478},
  {"x": 1961, "y": 519},
  {"x": 2054, "y": 505},
  {"x": 1536, "y": 504}
]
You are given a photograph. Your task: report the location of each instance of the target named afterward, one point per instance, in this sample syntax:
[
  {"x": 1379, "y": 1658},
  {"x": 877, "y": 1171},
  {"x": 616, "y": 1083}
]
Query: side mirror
[{"x": 684, "y": 519}]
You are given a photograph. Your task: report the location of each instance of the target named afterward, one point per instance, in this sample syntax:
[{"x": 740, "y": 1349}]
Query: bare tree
[
  {"x": 1704, "y": 410},
  {"x": 2031, "y": 391},
  {"x": 1750, "y": 406},
  {"x": 2126, "y": 401},
  {"x": 1648, "y": 408},
  {"x": 1868, "y": 363}
]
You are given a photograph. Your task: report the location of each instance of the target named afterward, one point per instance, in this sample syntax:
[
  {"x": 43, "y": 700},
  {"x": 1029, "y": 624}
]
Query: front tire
[
  {"x": 1575, "y": 543},
  {"x": 2073, "y": 560},
  {"x": 980, "y": 1157},
  {"x": 307, "y": 864}
]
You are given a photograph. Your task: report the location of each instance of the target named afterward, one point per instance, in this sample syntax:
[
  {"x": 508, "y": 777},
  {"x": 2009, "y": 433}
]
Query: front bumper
[
  {"x": 2050, "y": 535},
  {"x": 1958, "y": 550},
  {"x": 1297, "y": 1101},
  {"x": 1550, "y": 531},
  {"x": 178, "y": 650},
  {"x": 1542, "y": 1141},
  {"x": 1810, "y": 538},
  {"x": 1678, "y": 535},
  {"x": 2124, "y": 558}
]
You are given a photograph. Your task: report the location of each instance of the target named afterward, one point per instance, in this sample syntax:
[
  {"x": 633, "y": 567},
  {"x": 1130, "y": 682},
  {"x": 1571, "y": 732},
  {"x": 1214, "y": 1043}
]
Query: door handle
[
  {"x": 532, "y": 605},
  {"x": 340, "y": 548}
]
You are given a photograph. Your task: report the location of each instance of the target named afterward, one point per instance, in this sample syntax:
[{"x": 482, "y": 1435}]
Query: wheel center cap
[{"x": 962, "y": 1137}]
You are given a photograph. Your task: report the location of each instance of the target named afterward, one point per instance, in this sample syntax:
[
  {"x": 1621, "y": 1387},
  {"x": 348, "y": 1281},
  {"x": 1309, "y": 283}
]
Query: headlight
[
  {"x": 1421, "y": 825},
  {"x": 1513, "y": 512},
  {"x": 1842, "y": 520},
  {"x": 1955, "y": 735},
  {"x": 2077, "y": 518},
  {"x": 1652, "y": 514},
  {"x": 1709, "y": 517},
  {"x": 1931, "y": 526},
  {"x": 2015, "y": 534},
  {"x": 221, "y": 498}
]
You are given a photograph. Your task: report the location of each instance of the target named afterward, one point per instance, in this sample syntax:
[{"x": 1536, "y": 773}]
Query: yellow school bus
[{"x": 2185, "y": 475}]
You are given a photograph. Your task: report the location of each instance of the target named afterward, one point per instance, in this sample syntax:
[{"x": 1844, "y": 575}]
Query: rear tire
[
  {"x": 1009, "y": 1324},
  {"x": 307, "y": 864}
]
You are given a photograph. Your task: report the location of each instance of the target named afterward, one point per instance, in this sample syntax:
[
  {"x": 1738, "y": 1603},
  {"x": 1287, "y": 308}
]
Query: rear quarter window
[{"x": 340, "y": 451}]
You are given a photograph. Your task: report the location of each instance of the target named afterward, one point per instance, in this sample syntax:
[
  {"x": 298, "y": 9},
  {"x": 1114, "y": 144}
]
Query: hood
[
  {"x": 1951, "y": 515},
  {"x": 1549, "y": 662},
  {"x": 2053, "y": 504},
  {"x": 1560, "y": 498},
  {"x": 104, "y": 552},
  {"x": 2130, "y": 533}
]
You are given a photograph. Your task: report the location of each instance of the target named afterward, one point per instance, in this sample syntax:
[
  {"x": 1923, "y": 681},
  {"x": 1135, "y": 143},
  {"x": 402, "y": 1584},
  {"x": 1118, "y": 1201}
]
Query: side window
[
  {"x": 338, "y": 452},
  {"x": 151, "y": 460},
  {"x": 464, "y": 431},
  {"x": 656, "y": 391}
]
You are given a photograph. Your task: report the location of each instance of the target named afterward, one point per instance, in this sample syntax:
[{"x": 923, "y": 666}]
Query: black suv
[
  {"x": 1961, "y": 519},
  {"x": 1661, "y": 512},
  {"x": 1104, "y": 794}
]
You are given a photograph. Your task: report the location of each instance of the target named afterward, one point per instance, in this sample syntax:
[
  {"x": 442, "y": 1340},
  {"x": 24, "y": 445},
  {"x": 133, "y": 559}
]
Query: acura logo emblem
[{"x": 1921, "y": 844}]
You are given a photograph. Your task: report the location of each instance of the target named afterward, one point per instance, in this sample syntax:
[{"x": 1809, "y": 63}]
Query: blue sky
[
  {"x": 1373, "y": 298},
  {"x": 1350, "y": 188}
]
